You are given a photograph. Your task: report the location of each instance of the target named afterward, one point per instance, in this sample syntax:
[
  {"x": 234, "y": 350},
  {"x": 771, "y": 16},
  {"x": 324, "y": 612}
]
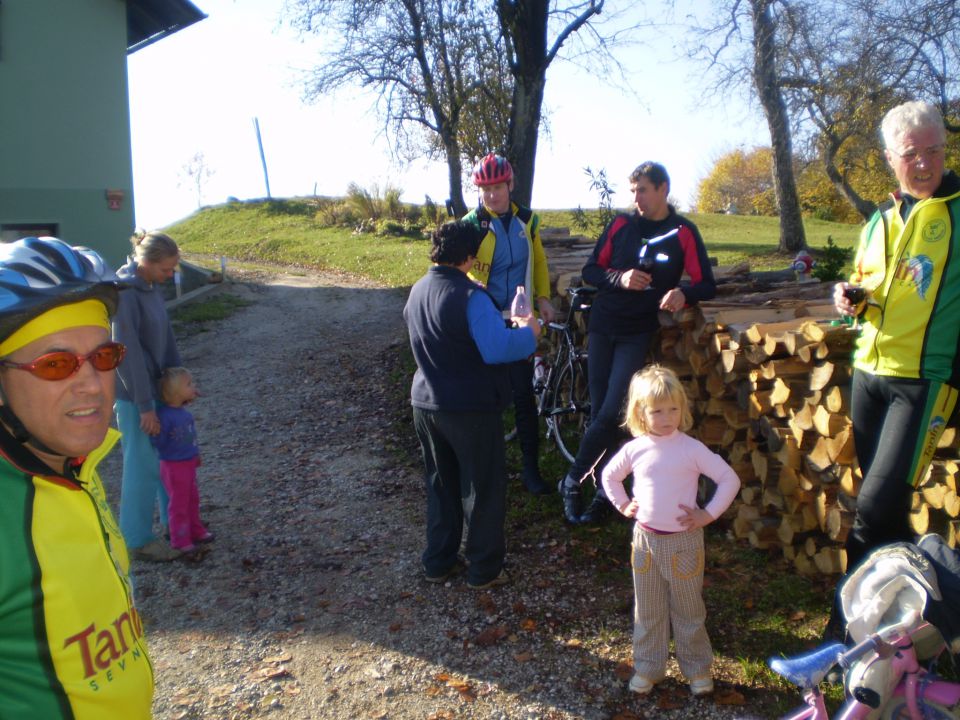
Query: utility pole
[{"x": 263, "y": 159}]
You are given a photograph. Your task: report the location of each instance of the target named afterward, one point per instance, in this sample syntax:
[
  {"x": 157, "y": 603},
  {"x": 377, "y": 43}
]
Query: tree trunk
[
  {"x": 455, "y": 179},
  {"x": 792, "y": 237},
  {"x": 525, "y": 24},
  {"x": 524, "y": 131},
  {"x": 862, "y": 206}
]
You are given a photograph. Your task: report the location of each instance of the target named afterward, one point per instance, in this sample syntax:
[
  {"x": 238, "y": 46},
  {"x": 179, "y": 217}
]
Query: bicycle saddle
[{"x": 809, "y": 669}]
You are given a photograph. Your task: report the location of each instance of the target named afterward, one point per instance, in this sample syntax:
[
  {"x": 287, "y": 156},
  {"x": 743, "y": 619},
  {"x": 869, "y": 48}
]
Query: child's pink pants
[{"x": 179, "y": 477}]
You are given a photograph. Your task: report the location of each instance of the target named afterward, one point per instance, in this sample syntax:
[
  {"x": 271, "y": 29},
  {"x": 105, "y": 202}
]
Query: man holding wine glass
[{"x": 905, "y": 293}]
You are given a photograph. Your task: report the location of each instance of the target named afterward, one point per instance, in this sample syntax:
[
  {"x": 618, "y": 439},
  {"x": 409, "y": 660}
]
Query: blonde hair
[
  {"x": 153, "y": 246},
  {"x": 649, "y": 386},
  {"x": 169, "y": 381}
]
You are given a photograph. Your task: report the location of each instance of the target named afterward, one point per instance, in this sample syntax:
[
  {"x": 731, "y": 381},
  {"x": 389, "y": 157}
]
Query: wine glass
[
  {"x": 647, "y": 265},
  {"x": 856, "y": 295}
]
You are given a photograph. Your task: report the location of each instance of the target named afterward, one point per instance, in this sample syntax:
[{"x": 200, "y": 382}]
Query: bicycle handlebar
[{"x": 882, "y": 641}]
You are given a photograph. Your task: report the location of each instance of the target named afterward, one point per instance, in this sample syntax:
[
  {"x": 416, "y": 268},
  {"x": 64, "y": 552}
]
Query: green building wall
[{"x": 65, "y": 121}]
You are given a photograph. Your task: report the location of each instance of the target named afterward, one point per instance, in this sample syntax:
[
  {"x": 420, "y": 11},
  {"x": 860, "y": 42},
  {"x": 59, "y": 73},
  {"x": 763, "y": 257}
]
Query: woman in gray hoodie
[{"x": 142, "y": 325}]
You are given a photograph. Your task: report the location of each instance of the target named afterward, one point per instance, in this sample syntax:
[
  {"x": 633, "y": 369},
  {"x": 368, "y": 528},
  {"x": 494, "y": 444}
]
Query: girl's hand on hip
[{"x": 694, "y": 518}]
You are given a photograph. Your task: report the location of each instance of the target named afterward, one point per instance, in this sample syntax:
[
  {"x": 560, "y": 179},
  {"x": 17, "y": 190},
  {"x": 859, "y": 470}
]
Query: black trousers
[
  {"x": 466, "y": 482},
  {"x": 896, "y": 425},
  {"x": 525, "y": 409}
]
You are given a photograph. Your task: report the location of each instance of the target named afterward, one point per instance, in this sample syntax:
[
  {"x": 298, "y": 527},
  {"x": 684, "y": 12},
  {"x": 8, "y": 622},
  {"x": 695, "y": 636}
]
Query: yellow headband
[{"x": 62, "y": 317}]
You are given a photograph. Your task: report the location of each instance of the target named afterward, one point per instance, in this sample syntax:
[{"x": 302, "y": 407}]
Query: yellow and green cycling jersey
[
  {"x": 71, "y": 638},
  {"x": 911, "y": 324}
]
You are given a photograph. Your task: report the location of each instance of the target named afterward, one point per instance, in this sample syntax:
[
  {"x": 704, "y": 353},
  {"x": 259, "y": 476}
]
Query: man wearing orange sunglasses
[{"x": 72, "y": 639}]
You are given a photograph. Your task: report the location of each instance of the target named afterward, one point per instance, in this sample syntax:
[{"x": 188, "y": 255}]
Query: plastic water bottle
[{"x": 520, "y": 307}]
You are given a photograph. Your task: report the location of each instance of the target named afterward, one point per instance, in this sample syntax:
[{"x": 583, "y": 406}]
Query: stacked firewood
[{"x": 769, "y": 377}]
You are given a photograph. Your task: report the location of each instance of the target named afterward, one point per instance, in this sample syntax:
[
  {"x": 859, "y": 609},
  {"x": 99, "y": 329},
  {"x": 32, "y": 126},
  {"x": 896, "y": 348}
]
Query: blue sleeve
[{"x": 497, "y": 343}]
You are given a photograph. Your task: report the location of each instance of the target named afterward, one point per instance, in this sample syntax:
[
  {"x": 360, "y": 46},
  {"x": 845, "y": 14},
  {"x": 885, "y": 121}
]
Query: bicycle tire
[
  {"x": 897, "y": 709},
  {"x": 570, "y": 408}
]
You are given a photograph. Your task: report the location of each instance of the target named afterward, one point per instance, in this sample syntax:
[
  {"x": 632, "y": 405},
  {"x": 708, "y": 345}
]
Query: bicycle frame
[
  {"x": 917, "y": 695},
  {"x": 562, "y": 392}
]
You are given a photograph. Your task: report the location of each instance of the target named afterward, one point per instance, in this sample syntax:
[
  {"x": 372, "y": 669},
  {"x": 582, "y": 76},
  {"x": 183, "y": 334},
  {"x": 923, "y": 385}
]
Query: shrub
[
  {"x": 431, "y": 216},
  {"x": 336, "y": 214},
  {"x": 831, "y": 262}
]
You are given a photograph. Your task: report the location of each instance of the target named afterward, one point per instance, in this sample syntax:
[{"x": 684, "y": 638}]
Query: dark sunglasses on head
[{"x": 61, "y": 365}]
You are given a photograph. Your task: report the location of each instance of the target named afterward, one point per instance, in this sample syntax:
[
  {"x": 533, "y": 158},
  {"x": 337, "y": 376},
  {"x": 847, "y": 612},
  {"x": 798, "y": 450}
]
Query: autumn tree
[{"x": 739, "y": 182}]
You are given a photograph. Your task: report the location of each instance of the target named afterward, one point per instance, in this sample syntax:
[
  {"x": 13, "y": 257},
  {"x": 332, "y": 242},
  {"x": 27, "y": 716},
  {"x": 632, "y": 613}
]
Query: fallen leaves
[
  {"x": 464, "y": 689},
  {"x": 623, "y": 671},
  {"x": 491, "y": 636}
]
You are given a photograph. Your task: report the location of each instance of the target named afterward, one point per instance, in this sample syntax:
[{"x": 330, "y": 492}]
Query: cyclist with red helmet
[
  {"x": 72, "y": 639},
  {"x": 511, "y": 255}
]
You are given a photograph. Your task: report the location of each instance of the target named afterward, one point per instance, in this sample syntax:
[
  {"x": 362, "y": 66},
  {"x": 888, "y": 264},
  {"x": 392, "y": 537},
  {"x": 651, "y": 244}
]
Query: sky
[{"x": 199, "y": 90}]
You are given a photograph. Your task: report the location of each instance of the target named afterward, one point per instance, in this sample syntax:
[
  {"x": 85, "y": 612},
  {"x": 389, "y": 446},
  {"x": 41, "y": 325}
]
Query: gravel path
[{"x": 311, "y": 604}]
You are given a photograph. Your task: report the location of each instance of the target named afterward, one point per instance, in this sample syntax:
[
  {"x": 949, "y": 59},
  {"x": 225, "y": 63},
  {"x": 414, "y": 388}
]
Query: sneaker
[
  {"x": 701, "y": 686},
  {"x": 641, "y": 685},
  {"x": 208, "y": 538},
  {"x": 501, "y": 579},
  {"x": 598, "y": 510},
  {"x": 155, "y": 551},
  {"x": 440, "y": 578}
]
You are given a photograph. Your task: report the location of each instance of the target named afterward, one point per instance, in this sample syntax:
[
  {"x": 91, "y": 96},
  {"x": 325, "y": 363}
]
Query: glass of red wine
[
  {"x": 856, "y": 295},
  {"x": 646, "y": 265}
]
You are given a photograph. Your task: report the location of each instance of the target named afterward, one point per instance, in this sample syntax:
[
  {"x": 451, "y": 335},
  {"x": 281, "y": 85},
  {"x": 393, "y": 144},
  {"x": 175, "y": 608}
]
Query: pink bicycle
[{"x": 886, "y": 659}]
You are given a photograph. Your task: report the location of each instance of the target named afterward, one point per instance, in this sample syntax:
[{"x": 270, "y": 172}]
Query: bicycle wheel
[
  {"x": 897, "y": 709},
  {"x": 570, "y": 411}
]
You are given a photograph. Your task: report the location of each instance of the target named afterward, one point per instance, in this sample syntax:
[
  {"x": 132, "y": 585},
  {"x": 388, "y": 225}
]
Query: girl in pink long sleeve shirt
[{"x": 667, "y": 551}]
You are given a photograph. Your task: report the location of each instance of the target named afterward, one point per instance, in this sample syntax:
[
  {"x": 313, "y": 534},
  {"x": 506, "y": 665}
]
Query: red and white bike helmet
[{"x": 491, "y": 170}]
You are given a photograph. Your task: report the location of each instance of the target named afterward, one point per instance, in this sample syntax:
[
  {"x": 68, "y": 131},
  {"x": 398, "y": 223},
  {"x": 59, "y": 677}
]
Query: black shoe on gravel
[{"x": 572, "y": 500}]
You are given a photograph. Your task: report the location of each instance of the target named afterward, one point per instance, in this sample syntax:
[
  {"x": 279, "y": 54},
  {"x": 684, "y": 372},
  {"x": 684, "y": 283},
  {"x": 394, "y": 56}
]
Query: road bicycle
[
  {"x": 560, "y": 379},
  {"x": 886, "y": 659}
]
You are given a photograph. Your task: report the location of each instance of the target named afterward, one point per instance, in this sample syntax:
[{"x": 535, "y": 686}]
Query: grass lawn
[{"x": 289, "y": 232}]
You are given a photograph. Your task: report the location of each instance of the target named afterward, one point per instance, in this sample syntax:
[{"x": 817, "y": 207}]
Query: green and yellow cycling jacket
[
  {"x": 911, "y": 325},
  {"x": 71, "y": 641}
]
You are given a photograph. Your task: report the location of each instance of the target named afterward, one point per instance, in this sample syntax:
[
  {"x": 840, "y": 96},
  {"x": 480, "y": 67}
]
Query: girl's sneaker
[
  {"x": 641, "y": 685},
  {"x": 701, "y": 686}
]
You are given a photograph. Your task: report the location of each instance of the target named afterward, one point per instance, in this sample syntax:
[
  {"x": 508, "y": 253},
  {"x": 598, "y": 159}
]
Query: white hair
[{"x": 910, "y": 116}]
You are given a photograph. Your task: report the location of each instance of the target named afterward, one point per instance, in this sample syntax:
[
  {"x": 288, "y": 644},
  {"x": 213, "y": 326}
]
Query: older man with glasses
[{"x": 905, "y": 291}]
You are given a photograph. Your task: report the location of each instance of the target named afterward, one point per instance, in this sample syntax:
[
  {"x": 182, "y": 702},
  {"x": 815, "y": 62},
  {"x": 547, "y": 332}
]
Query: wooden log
[
  {"x": 840, "y": 449},
  {"x": 831, "y": 560},
  {"x": 827, "y": 423},
  {"x": 839, "y": 522},
  {"x": 788, "y": 367},
  {"x": 804, "y": 565},
  {"x": 819, "y": 456},
  {"x": 850, "y": 481},
  {"x": 837, "y": 399},
  {"x": 828, "y": 373},
  {"x": 925, "y": 520}
]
